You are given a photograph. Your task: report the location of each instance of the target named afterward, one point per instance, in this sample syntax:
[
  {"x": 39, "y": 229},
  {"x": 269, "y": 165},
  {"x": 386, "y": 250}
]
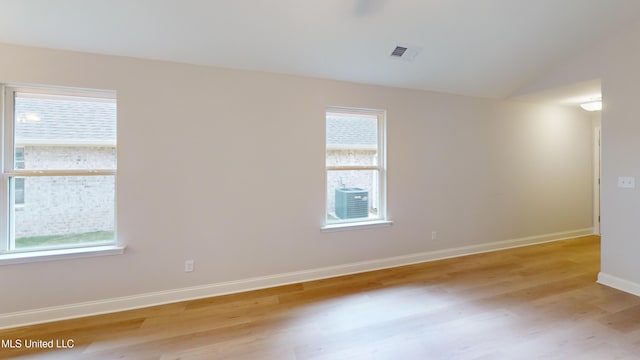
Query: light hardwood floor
[{"x": 536, "y": 302}]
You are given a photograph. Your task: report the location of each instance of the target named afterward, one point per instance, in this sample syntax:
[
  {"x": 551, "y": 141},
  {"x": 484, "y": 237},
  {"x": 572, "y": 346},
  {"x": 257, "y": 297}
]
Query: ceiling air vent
[
  {"x": 405, "y": 52},
  {"x": 399, "y": 51}
]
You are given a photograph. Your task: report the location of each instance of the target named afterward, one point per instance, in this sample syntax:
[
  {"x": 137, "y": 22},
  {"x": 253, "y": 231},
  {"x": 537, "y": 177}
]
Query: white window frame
[
  {"x": 8, "y": 254},
  {"x": 381, "y": 168}
]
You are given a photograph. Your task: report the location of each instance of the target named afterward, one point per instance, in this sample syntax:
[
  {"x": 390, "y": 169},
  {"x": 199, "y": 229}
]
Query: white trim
[
  {"x": 380, "y": 167},
  {"x": 55, "y": 313},
  {"x": 66, "y": 142},
  {"x": 362, "y": 224},
  {"x": 353, "y": 167},
  {"x": 77, "y": 172},
  {"x": 597, "y": 158},
  {"x": 7, "y": 242},
  {"x": 60, "y": 254},
  {"x": 382, "y": 163},
  {"x": 619, "y": 283},
  {"x": 346, "y": 111},
  {"x": 8, "y": 255},
  {"x": 62, "y": 92}
]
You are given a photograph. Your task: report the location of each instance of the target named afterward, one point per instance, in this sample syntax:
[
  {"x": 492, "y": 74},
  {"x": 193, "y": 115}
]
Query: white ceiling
[
  {"x": 486, "y": 48},
  {"x": 570, "y": 95}
]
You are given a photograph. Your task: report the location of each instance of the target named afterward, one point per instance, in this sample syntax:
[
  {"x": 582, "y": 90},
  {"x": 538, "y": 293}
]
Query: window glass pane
[
  {"x": 64, "y": 211},
  {"x": 352, "y": 195},
  {"x": 19, "y": 158},
  {"x": 18, "y": 193},
  {"x": 352, "y": 140},
  {"x": 64, "y": 132}
]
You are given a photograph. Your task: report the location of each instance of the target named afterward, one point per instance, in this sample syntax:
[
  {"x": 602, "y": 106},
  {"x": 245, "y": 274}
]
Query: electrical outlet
[
  {"x": 189, "y": 265},
  {"x": 434, "y": 235},
  {"x": 626, "y": 182}
]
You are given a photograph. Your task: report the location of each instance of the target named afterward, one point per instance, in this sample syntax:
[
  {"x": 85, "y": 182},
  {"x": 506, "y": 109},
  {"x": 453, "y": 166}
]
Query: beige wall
[
  {"x": 615, "y": 61},
  {"x": 620, "y": 153},
  {"x": 204, "y": 153}
]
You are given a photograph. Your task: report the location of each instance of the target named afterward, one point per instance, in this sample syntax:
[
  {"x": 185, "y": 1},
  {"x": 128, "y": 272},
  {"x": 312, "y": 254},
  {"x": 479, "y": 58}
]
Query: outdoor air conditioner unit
[{"x": 352, "y": 203}]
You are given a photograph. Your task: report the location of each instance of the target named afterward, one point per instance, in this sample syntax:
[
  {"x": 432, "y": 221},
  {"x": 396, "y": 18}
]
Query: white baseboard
[
  {"x": 619, "y": 283},
  {"x": 76, "y": 310}
]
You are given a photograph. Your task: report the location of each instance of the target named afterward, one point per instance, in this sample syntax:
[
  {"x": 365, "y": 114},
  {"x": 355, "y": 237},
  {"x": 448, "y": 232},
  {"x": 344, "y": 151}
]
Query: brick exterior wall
[
  {"x": 71, "y": 204},
  {"x": 69, "y": 157}
]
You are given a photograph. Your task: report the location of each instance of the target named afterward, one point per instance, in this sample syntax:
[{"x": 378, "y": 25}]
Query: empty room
[{"x": 339, "y": 179}]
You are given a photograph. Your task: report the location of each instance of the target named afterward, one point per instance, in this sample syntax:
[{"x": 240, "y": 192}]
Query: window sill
[
  {"x": 60, "y": 254},
  {"x": 356, "y": 225}
]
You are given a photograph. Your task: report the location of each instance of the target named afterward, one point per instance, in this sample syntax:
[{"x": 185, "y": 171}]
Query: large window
[
  {"x": 59, "y": 169},
  {"x": 355, "y": 166}
]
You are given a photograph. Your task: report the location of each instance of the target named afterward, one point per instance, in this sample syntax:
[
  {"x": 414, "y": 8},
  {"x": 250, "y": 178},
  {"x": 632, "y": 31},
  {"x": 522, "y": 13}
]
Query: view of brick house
[
  {"x": 352, "y": 141},
  {"x": 60, "y": 134}
]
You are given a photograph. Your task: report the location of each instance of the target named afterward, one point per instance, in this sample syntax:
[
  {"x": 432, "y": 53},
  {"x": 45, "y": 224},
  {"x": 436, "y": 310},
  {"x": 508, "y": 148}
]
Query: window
[
  {"x": 19, "y": 164},
  {"x": 355, "y": 167},
  {"x": 60, "y": 151},
  {"x": 18, "y": 184}
]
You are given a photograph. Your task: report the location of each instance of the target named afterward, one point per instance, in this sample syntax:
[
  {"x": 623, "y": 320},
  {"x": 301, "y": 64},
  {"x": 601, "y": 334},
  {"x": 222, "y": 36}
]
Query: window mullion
[
  {"x": 59, "y": 173},
  {"x": 352, "y": 167}
]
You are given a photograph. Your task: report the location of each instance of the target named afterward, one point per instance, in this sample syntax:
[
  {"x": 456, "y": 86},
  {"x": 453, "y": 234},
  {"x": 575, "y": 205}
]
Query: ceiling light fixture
[{"x": 592, "y": 105}]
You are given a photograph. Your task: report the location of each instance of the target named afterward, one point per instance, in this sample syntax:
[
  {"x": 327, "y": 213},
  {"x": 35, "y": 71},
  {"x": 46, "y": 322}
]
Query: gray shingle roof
[
  {"x": 347, "y": 131},
  {"x": 60, "y": 121}
]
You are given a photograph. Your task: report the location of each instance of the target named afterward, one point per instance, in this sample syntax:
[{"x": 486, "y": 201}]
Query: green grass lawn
[{"x": 55, "y": 240}]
